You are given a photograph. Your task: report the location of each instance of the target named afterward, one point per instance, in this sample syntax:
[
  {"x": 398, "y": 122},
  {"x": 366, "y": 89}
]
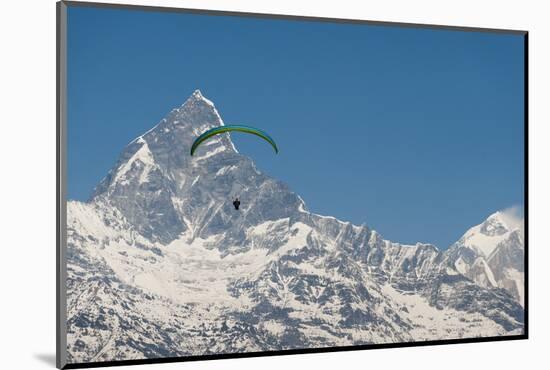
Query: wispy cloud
[{"x": 513, "y": 217}]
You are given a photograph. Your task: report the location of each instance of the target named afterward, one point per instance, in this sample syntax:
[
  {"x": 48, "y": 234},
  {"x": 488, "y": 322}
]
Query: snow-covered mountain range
[{"x": 161, "y": 265}]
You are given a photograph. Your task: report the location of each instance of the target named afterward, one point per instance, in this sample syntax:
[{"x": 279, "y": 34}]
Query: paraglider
[
  {"x": 239, "y": 128},
  {"x": 222, "y": 129},
  {"x": 236, "y": 203}
]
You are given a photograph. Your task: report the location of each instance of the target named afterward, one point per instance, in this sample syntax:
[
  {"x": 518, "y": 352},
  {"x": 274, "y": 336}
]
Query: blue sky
[{"x": 418, "y": 133}]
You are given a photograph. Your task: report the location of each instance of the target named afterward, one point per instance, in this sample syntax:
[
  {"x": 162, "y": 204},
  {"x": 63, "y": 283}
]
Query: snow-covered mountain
[
  {"x": 160, "y": 264},
  {"x": 492, "y": 253}
]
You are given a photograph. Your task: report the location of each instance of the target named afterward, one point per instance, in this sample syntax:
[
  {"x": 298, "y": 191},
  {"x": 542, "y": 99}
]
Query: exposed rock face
[{"x": 160, "y": 263}]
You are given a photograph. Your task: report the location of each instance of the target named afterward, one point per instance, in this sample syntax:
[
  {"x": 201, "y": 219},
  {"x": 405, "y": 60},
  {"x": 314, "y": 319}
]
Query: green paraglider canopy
[{"x": 220, "y": 130}]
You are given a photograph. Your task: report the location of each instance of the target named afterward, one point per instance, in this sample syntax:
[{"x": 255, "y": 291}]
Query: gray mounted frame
[{"x": 61, "y": 190}]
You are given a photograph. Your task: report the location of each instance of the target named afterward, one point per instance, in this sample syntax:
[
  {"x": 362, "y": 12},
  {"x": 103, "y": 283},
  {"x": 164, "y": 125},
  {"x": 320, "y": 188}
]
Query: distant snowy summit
[
  {"x": 492, "y": 253},
  {"x": 160, "y": 263}
]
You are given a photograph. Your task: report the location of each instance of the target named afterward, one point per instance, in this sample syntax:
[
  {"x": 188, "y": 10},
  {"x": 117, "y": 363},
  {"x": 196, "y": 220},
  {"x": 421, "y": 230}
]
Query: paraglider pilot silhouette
[
  {"x": 237, "y": 203},
  {"x": 222, "y": 129}
]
